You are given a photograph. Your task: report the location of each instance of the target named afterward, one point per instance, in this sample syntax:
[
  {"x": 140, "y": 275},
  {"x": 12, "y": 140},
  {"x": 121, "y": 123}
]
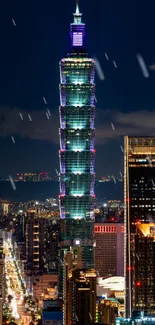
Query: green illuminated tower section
[{"x": 77, "y": 153}]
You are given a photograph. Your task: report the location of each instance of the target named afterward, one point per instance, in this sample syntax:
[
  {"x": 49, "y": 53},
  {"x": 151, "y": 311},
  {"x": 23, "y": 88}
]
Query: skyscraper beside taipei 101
[
  {"x": 139, "y": 213},
  {"x": 77, "y": 153}
]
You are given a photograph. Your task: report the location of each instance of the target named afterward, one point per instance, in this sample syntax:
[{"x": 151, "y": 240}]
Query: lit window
[{"x": 77, "y": 39}]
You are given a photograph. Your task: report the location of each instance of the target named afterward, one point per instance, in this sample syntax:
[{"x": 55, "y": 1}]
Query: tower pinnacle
[
  {"x": 77, "y": 7},
  {"x": 77, "y": 15},
  {"x": 77, "y": 28}
]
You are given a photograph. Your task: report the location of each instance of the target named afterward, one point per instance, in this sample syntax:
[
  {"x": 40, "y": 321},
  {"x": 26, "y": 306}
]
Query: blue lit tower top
[
  {"x": 77, "y": 29},
  {"x": 77, "y": 134}
]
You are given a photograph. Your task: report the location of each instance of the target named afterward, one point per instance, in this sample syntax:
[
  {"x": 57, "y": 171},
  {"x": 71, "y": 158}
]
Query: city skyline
[
  {"x": 126, "y": 98},
  {"x": 75, "y": 254}
]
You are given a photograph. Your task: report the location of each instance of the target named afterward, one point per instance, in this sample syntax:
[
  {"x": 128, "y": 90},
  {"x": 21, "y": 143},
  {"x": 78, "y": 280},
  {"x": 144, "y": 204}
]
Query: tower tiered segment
[{"x": 77, "y": 153}]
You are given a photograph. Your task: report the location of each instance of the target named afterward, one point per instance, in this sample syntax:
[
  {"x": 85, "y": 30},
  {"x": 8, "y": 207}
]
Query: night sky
[{"x": 29, "y": 70}]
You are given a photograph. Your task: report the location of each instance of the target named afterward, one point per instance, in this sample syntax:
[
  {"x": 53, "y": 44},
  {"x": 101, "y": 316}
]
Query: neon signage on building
[{"x": 108, "y": 229}]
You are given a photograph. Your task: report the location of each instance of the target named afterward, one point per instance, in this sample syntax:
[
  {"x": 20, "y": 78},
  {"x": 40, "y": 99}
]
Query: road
[{"x": 14, "y": 285}]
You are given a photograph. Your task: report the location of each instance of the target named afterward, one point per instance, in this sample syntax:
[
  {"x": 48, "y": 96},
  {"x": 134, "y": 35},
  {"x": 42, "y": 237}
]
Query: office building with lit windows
[
  {"x": 139, "y": 212},
  {"x": 143, "y": 268},
  {"x": 77, "y": 153},
  {"x": 81, "y": 287},
  {"x": 106, "y": 311},
  {"x": 35, "y": 242},
  {"x": 72, "y": 261},
  {"x": 109, "y": 249}
]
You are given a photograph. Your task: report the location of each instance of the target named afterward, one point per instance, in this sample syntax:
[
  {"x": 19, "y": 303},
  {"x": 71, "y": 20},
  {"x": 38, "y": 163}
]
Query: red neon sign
[
  {"x": 105, "y": 229},
  {"x": 122, "y": 228}
]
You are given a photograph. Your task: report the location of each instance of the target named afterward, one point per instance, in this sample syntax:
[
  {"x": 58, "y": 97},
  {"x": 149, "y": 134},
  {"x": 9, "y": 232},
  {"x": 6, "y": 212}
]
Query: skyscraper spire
[
  {"x": 77, "y": 14},
  {"x": 77, "y": 7}
]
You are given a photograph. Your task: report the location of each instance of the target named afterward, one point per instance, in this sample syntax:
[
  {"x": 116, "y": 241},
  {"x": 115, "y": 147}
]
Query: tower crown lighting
[{"x": 77, "y": 29}]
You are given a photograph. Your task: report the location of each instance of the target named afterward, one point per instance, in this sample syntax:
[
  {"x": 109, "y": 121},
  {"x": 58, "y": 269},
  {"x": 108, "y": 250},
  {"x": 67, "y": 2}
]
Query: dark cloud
[
  {"x": 42, "y": 128},
  {"x": 134, "y": 123}
]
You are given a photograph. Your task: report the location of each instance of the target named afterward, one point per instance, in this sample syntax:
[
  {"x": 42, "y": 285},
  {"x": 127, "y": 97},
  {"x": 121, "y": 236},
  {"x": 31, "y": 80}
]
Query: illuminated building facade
[
  {"x": 52, "y": 314},
  {"x": 19, "y": 227},
  {"x": 139, "y": 202},
  {"x": 77, "y": 153},
  {"x": 106, "y": 311},
  {"x": 35, "y": 237},
  {"x": 81, "y": 287},
  {"x": 32, "y": 177},
  {"x": 143, "y": 268},
  {"x": 111, "y": 287},
  {"x": 137, "y": 318},
  {"x": 72, "y": 261},
  {"x": 109, "y": 249},
  {"x": 52, "y": 236}
]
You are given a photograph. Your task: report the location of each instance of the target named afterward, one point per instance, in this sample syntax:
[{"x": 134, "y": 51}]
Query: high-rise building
[
  {"x": 82, "y": 297},
  {"x": 19, "y": 227},
  {"x": 109, "y": 249},
  {"x": 143, "y": 268},
  {"x": 51, "y": 241},
  {"x": 35, "y": 236},
  {"x": 106, "y": 311},
  {"x": 77, "y": 153},
  {"x": 72, "y": 260},
  {"x": 139, "y": 202}
]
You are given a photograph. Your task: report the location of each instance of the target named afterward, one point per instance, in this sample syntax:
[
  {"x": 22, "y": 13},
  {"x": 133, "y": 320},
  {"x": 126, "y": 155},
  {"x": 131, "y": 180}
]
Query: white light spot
[
  {"x": 112, "y": 125},
  {"x": 106, "y": 55},
  {"x": 12, "y": 182},
  {"x": 149, "y": 160},
  {"x": 13, "y": 21},
  {"x": 115, "y": 65},
  {"x": 21, "y": 116},
  {"x": 13, "y": 139},
  {"x": 61, "y": 261},
  {"x": 114, "y": 179},
  {"x": 30, "y": 118},
  {"x": 153, "y": 182},
  {"x": 57, "y": 172},
  {"x": 122, "y": 149},
  {"x": 142, "y": 66},
  {"x": 121, "y": 174},
  {"x": 95, "y": 99},
  {"x": 44, "y": 99},
  {"x": 48, "y": 111},
  {"x": 76, "y": 317},
  {"x": 47, "y": 116},
  {"x": 138, "y": 257},
  {"x": 99, "y": 69},
  {"x": 131, "y": 150}
]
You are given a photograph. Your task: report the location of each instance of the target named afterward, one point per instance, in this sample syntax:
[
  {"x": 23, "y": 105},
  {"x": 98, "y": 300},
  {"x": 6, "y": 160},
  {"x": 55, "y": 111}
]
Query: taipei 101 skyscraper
[{"x": 77, "y": 153}]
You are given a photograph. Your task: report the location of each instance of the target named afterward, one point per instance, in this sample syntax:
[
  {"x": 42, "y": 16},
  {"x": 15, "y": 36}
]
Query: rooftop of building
[
  {"x": 146, "y": 229},
  {"x": 137, "y": 317},
  {"x": 115, "y": 283}
]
